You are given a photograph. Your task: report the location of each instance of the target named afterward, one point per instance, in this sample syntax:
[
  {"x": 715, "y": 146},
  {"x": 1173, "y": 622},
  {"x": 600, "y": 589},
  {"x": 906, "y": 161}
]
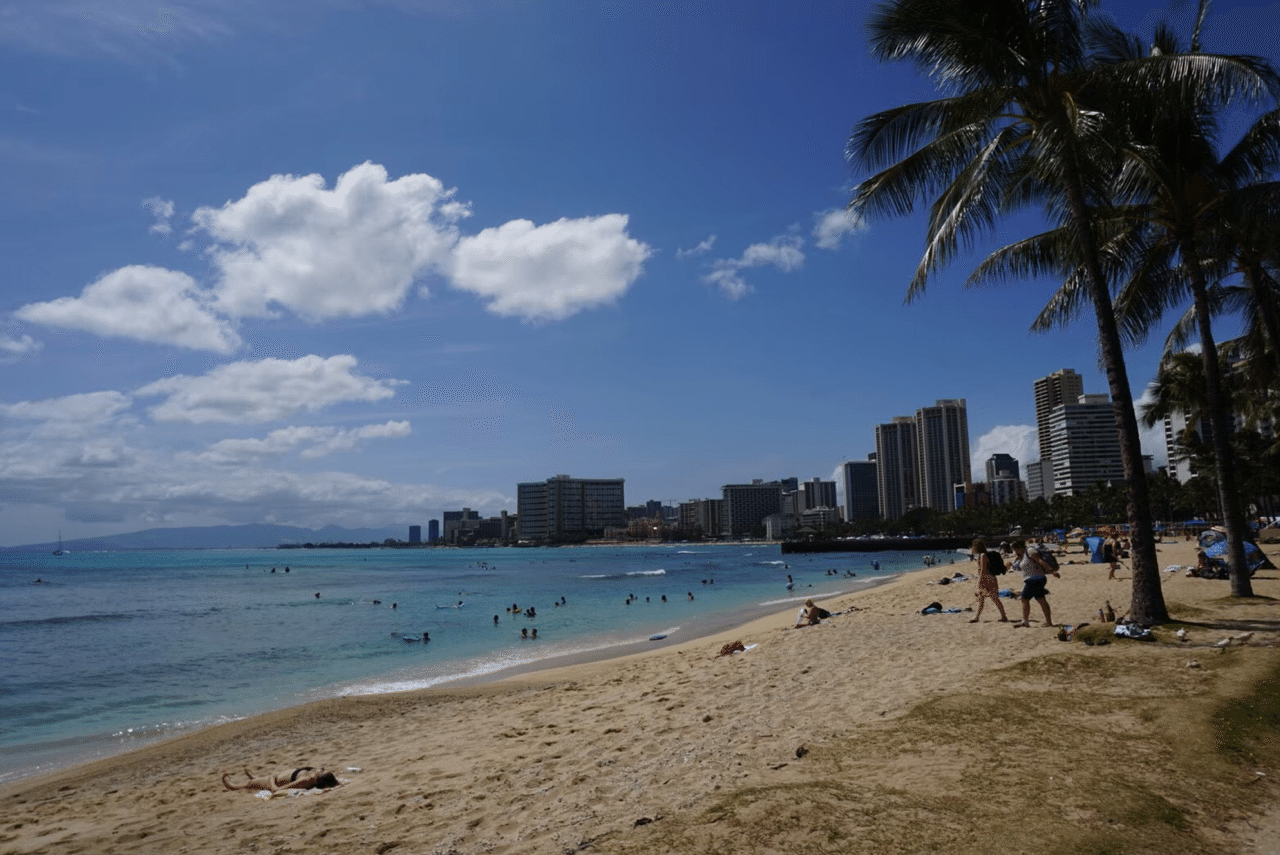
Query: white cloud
[
  {"x": 350, "y": 251},
  {"x": 831, "y": 226},
  {"x": 149, "y": 304},
  {"x": 162, "y": 210},
  {"x": 314, "y": 441},
  {"x": 1021, "y": 442},
  {"x": 127, "y": 30},
  {"x": 89, "y": 407},
  {"x": 13, "y": 346},
  {"x": 783, "y": 252},
  {"x": 704, "y": 246},
  {"x": 264, "y": 391},
  {"x": 549, "y": 272}
]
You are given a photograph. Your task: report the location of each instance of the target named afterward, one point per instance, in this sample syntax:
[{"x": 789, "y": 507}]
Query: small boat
[{"x": 59, "y": 550}]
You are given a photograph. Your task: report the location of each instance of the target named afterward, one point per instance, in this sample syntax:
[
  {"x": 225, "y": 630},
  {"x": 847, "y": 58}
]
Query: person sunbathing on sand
[{"x": 808, "y": 615}]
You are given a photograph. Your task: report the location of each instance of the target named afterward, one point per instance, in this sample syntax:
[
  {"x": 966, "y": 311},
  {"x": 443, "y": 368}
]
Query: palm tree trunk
[
  {"x": 1147, "y": 606},
  {"x": 1222, "y": 424}
]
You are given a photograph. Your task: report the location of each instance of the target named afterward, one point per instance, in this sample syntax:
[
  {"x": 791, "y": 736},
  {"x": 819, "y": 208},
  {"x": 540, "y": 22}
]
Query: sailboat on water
[{"x": 59, "y": 550}]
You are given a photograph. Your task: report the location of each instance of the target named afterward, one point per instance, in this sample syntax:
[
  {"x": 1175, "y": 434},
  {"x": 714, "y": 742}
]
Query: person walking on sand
[
  {"x": 1111, "y": 551},
  {"x": 1033, "y": 569},
  {"x": 987, "y": 586}
]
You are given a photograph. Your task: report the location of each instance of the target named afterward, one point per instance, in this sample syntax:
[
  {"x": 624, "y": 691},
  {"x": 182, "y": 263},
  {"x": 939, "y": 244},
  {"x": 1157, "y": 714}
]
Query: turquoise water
[{"x": 109, "y": 650}]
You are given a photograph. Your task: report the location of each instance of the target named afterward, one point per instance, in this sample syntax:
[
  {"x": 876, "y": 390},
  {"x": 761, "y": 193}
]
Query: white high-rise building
[
  {"x": 1084, "y": 446},
  {"x": 1060, "y": 387}
]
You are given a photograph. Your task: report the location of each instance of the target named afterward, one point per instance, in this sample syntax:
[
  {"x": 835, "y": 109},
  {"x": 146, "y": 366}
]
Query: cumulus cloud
[
  {"x": 704, "y": 246},
  {"x": 84, "y": 407},
  {"x": 1021, "y": 442},
  {"x": 265, "y": 390},
  {"x": 14, "y": 346},
  {"x": 549, "y": 272},
  {"x": 830, "y": 226},
  {"x": 162, "y": 210},
  {"x": 314, "y": 442},
  {"x": 353, "y": 250},
  {"x": 148, "y": 304},
  {"x": 783, "y": 252}
]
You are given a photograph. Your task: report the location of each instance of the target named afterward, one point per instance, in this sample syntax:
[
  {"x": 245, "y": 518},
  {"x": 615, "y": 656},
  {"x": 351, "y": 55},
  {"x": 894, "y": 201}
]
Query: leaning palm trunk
[
  {"x": 1221, "y": 422},
  {"x": 1148, "y": 606}
]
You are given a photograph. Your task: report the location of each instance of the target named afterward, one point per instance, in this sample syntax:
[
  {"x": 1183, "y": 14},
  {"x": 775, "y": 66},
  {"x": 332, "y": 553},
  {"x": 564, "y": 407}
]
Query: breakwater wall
[{"x": 882, "y": 544}]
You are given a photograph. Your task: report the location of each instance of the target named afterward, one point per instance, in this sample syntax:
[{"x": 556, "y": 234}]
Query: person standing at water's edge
[
  {"x": 1033, "y": 569},
  {"x": 987, "y": 586}
]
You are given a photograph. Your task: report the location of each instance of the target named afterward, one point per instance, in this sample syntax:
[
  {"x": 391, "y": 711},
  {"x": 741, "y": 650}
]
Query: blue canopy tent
[{"x": 1214, "y": 544}]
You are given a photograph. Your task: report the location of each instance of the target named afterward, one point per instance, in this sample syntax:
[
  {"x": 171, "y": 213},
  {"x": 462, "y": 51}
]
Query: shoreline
[
  {"x": 708, "y": 626},
  {"x": 857, "y": 728}
]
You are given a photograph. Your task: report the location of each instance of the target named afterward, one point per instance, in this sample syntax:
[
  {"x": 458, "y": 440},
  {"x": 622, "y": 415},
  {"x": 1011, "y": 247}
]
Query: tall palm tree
[
  {"x": 1182, "y": 194},
  {"x": 1023, "y": 119}
]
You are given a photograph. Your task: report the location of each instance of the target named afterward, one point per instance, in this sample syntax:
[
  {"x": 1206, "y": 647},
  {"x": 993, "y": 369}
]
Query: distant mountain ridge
[{"x": 253, "y": 536}]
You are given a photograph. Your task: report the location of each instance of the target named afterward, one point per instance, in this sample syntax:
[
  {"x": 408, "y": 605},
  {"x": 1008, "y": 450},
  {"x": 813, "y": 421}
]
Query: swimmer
[
  {"x": 317, "y": 595},
  {"x": 426, "y": 636},
  {"x": 535, "y": 632},
  {"x": 393, "y": 605},
  {"x": 691, "y": 596},
  {"x": 524, "y": 632},
  {"x": 664, "y": 598},
  {"x": 495, "y": 620}
]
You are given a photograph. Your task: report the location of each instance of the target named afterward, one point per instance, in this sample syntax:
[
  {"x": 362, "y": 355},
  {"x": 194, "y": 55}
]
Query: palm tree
[
  {"x": 1182, "y": 194},
  {"x": 1019, "y": 128},
  {"x": 1029, "y": 116}
]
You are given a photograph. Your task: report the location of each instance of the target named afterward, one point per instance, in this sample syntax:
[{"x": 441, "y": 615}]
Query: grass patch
[
  {"x": 1248, "y": 727},
  {"x": 1131, "y": 752}
]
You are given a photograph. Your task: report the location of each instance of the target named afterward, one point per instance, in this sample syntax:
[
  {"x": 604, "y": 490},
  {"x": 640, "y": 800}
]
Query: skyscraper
[
  {"x": 819, "y": 494},
  {"x": 1061, "y": 387},
  {"x": 896, "y": 469},
  {"x": 942, "y": 437},
  {"x": 1003, "y": 484},
  {"x": 1084, "y": 445},
  {"x": 861, "y": 495}
]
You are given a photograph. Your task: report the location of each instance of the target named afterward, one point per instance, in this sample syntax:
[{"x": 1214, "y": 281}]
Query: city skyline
[{"x": 415, "y": 254}]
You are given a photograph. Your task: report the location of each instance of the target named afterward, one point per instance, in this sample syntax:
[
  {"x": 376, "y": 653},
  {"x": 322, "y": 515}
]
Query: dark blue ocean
[{"x": 101, "y": 652}]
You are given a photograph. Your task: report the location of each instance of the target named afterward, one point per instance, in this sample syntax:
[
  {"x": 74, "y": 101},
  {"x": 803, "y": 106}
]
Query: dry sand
[{"x": 881, "y": 730}]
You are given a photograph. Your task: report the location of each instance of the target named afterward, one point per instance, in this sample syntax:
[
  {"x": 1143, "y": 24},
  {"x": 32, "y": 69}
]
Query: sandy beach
[{"x": 880, "y": 730}]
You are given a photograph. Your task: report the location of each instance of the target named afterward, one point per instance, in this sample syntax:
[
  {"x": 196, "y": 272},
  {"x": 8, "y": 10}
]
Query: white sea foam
[
  {"x": 488, "y": 665},
  {"x": 817, "y": 595},
  {"x": 658, "y": 572}
]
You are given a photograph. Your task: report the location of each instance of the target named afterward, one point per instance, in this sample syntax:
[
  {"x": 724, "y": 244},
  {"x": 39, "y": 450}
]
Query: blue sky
[{"x": 360, "y": 262}]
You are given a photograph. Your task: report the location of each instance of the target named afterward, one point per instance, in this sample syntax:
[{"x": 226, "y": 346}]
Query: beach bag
[
  {"x": 995, "y": 563},
  {"x": 1050, "y": 560}
]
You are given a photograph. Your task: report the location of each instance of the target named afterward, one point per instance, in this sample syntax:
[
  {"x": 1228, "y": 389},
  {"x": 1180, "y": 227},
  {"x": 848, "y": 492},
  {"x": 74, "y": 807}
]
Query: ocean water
[{"x": 101, "y": 652}]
